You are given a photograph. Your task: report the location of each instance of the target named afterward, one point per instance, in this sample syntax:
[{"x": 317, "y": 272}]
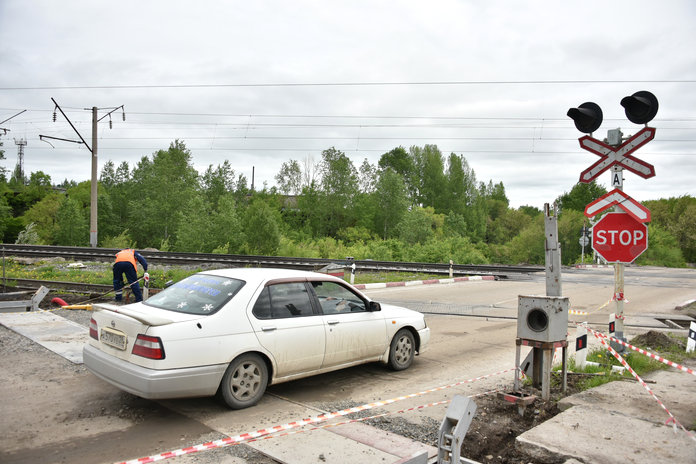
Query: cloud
[{"x": 519, "y": 66}]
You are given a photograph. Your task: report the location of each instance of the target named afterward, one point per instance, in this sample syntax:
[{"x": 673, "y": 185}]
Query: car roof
[{"x": 258, "y": 274}]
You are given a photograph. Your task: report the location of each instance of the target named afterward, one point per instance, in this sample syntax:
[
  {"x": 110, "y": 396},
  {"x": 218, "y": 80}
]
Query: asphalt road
[{"x": 55, "y": 411}]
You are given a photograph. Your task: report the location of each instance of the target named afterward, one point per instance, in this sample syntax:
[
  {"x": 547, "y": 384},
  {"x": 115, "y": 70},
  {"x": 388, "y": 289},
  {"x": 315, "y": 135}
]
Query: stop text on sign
[
  {"x": 619, "y": 238},
  {"x": 615, "y": 237}
]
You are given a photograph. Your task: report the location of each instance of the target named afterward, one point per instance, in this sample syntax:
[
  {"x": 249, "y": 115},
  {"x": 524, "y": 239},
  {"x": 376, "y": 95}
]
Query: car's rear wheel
[
  {"x": 245, "y": 381},
  {"x": 402, "y": 350}
]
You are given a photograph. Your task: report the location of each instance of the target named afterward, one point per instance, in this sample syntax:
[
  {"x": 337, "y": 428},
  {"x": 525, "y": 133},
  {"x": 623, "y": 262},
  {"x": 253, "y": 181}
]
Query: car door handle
[
  {"x": 268, "y": 328},
  {"x": 332, "y": 322}
]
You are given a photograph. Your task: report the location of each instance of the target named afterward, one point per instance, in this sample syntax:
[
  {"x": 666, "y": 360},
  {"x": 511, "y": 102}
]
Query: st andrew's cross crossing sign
[
  {"x": 622, "y": 155},
  {"x": 619, "y": 238}
]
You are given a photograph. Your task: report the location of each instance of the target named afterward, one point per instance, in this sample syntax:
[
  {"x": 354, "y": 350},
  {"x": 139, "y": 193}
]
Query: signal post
[{"x": 621, "y": 236}]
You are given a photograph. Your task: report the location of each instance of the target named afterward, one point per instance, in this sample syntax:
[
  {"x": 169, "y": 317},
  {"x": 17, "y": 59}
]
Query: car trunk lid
[{"x": 119, "y": 326}]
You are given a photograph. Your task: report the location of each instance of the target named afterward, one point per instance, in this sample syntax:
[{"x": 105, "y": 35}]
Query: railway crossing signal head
[
  {"x": 587, "y": 117},
  {"x": 641, "y": 107}
]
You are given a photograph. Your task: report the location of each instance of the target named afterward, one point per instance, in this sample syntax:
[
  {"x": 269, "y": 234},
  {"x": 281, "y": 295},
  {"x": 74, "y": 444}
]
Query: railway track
[
  {"x": 53, "y": 285},
  {"x": 168, "y": 257}
]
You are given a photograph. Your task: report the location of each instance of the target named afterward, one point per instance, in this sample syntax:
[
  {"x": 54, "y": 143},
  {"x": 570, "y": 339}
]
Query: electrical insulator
[
  {"x": 124, "y": 115},
  {"x": 111, "y": 124},
  {"x": 54, "y": 115}
]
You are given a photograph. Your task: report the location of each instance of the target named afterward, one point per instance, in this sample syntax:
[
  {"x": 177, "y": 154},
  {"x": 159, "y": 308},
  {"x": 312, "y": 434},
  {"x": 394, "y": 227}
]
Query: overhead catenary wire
[{"x": 349, "y": 84}]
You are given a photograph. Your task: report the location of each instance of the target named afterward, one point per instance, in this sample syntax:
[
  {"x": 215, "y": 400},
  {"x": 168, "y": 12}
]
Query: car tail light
[
  {"x": 93, "y": 329},
  {"x": 148, "y": 347}
]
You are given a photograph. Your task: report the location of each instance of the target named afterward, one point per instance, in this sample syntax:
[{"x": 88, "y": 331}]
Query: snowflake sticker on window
[{"x": 197, "y": 294}]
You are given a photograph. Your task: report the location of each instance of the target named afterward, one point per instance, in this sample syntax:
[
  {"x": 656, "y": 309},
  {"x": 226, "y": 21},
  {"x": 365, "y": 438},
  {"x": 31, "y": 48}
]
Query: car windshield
[{"x": 196, "y": 294}]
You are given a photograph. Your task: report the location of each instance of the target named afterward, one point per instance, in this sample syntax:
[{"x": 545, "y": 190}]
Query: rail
[{"x": 169, "y": 257}]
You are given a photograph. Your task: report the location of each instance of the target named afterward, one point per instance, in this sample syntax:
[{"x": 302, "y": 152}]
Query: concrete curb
[{"x": 421, "y": 282}]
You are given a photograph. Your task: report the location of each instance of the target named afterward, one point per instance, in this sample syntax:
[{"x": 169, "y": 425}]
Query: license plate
[{"x": 114, "y": 338}]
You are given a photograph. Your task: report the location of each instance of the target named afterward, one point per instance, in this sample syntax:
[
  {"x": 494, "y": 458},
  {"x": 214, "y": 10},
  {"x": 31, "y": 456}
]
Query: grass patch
[
  {"x": 669, "y": 346},
  {"x": 383, "y": 277},
  {"x": 101, "y": 273}
]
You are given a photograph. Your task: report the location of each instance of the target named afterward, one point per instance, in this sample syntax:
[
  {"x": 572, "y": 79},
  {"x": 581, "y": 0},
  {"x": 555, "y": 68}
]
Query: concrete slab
[
  {"x": 320, "y": 446},
  {"x": 382, "y": 440},
  {"x": 621, "y": 422},
  {"x": 55, "y": 333},
  {"x": 593, "y": 434},
  {"x": 674, "y": 388}
]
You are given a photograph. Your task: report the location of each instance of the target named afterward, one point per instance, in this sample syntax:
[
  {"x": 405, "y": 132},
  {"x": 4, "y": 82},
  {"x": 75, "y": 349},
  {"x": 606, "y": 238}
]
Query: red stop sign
[{"x": 619, "y": 238}]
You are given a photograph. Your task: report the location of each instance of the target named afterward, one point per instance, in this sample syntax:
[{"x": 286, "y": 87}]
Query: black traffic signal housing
[
  {"x": 641, "y": 107},
  {"x": 587, "y": 117}
]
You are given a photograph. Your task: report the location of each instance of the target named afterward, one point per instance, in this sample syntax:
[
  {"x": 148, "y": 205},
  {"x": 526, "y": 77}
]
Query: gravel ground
[{"x": 487, "y": 439}]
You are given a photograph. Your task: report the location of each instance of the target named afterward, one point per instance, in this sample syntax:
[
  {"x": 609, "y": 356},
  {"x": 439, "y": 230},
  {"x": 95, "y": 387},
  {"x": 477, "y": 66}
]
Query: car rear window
[
  {"x": 283, "y": 300},
  {"x": 197, "y": 294}
]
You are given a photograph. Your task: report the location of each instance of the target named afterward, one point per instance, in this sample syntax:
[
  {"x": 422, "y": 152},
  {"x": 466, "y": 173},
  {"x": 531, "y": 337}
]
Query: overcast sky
[{"x": 259, "y": 83}]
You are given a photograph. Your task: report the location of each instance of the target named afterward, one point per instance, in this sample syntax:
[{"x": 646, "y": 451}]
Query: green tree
[
  {"x": 219, "y": 181},
  {"x": 29, "y": 236},
  {"x": 461, "y": 185},
  {"x": 43, "y": 215},
  {"x": 570, "y": 224},
  {"x": 392, "y": 202},
  {"x": 367, "y": 178},
  {"x": 506, "y": 224},
  {"x": 678, "y": 216},
  {"x": 309, "y": 216},
  {"x": 685, "y": 232},
  {"x": 115, "y": 191},
  {"x": 580, "y": 196},
  {"x": 193, "y": 231},
  {"x": 72, "y": 226},
  {"x": 402, "y": 163},
  {"x": 261, "y": 227},
  {"x": 160, "y": 189},
  {"x": 528, "y": 246},
  {"x": 339, "y": 187},
  {"x": 432, "y": 185},
  {"x": 5, "y": 216},
  {"x": 289, "y": 178},
  {"x": 203, "y": 229},
  {"x": 226, "y": 227},
  {"x": 3, "y": 170},
  {"x": 663, "y": 250},
  {"x": 420, "y": 225}
]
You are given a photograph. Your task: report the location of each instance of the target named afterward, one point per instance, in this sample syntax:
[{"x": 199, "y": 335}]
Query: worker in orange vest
[{"x": 127, "y": 263}]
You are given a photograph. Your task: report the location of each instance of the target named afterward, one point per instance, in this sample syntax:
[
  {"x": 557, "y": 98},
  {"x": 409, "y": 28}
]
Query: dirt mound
[{"x": 656, "y": 341}]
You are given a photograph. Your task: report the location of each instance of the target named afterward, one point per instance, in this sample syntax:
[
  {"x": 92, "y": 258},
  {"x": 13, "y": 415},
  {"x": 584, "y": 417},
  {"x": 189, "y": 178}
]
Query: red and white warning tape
[
  {"x": 587, "y": 313},
  {"x": 362, "y": 419},
  {"x": 672, "y": 420},
  {"x": 649, "y": 354},
  {"x": 227, "y": 441}
]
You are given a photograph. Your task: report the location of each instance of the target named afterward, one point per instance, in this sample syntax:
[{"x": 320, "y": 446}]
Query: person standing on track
[{"x": 127, "y": 263}]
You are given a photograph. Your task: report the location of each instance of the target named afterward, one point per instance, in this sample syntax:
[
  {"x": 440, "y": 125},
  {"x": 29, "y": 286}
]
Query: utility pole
[
  {"x": 93, "y": 191},
  {"x": 95, "y": 161}
]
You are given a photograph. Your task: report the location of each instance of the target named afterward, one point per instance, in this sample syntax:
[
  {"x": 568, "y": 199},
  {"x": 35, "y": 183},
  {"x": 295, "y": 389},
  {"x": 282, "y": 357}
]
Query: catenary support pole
[{"x": 93, "y": 190}]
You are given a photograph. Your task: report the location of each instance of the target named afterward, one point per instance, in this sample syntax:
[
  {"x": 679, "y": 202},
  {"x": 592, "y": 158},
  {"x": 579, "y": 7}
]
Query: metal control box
[{"x": 542, "y": 318}]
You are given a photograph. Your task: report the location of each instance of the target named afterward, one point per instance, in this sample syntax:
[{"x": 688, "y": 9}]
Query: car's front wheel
[
  {"x": 245, "y": 381},
  {"x": 402, "y": 350}
]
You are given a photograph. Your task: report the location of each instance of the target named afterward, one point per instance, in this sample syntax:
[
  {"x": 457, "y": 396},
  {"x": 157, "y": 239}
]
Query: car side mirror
[{"x": 374, "y": 306}]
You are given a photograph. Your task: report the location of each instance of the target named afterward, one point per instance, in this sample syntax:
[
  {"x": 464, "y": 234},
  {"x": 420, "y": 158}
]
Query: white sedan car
[{"x": 232, "y": 332}]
